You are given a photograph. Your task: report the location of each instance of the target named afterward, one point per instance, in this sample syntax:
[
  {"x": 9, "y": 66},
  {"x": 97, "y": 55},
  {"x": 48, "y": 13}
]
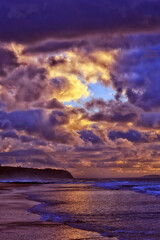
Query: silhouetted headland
[{"x": 22, "y": 174}]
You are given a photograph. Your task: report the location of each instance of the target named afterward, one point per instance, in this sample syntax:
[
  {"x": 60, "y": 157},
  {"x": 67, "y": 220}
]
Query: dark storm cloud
[
  {"x": 25, "y": 139},
  {"x": 78, "y": 110},
  {"x": 115, "y": 117},
  {"x": 28, "y": 21},
  {"x": 58, "y": 118},
  {"x": 108, "y": 42},
  {"x": 8, "y": 134},
  {"x": 51, "y": 104},
  {"x": 25, "y": 84},
  {"x": 53, "y": 46},
  {"x": 131, "y": 135},
  {"x": 28, "y": 152},
  {"x": 54, "y": 103},
  {"x": 35, "y": 141},
  {"x": 30, "y": 121},
  {"x": 36, "y": 122},
  {"x": 150, "y": 120},
  {"x": 96, "y": 103},
  {"x": 126, "y": 42},
  {"x": 28, "y": 157},
  {"x": 111, "y": 111},
  {"x": 89, "y": 136},
  {"x": 137, "y": 73},
  {"x": 31, "y": 83},
  {"x": 8, "y": 61}
]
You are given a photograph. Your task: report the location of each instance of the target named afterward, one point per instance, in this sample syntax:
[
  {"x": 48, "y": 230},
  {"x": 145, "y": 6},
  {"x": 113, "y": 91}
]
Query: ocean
[{"x": 111, "y": 209}]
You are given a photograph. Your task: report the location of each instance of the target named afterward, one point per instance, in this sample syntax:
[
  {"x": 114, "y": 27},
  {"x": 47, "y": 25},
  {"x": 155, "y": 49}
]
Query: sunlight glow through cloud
[{"x": 79, "y": 86}]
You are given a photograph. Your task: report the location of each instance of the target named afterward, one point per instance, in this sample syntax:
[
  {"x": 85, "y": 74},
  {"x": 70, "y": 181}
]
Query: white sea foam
[
  {"x": 148, "y": 187},
  {"x": 115, "y": 185}
]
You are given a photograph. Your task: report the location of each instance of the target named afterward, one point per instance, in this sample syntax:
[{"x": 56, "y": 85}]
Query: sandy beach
[
  {"x": 15, "y": 220},
  {"x": 16, "y": 223}
]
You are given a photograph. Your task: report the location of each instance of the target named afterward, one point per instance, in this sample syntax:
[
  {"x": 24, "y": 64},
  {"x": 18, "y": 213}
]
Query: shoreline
[
  {"x": 13, "y": 202},
  {"x": 17, "y": 223}
]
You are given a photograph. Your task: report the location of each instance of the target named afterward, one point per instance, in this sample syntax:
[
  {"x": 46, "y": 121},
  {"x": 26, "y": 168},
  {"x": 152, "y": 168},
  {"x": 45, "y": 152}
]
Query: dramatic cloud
[
  {"x": 67, "y": 89},
  {"x": 79, "y": 85},
  {"x": 137, "y": 74},
  {"x": 8, "y": 134},
  {"x": 51, "y": 104},
  {"x": 65, "y": 19},
  {"x": 8, "y": 61},
  {"x": 112, "y": 111},
  {"x": 150, "y": 120},
  {"x": 37, "y": 122},
  {"x": 53, "y": 46},
  {"x": 134, "y": 136},
  {"x": 90, "y": 137}
]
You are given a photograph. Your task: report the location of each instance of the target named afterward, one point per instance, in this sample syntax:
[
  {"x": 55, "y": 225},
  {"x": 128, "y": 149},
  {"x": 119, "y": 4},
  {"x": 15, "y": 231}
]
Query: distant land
[
  {"x": 151, "y": 176},
  {"x": 21, "y": 174}
]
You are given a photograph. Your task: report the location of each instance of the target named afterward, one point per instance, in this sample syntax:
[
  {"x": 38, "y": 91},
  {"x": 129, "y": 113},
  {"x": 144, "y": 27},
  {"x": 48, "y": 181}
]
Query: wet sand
[{"x": 16, "y": 223}]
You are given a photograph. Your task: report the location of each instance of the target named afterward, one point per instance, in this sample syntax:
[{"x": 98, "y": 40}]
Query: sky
[{"x": 80, "y": 87}]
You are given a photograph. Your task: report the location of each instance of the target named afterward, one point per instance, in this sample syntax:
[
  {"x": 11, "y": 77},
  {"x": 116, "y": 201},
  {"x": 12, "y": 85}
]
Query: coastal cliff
[{"x": 8, "y": 173}]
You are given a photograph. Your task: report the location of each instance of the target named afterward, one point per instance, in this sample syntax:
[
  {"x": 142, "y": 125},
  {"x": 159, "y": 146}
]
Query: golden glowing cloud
[
  {"x": 78, "y": 123},
  {"x": 80, "y": 69},
  {"x": 76, "y": 66},
  {"x": 18, "y": 49},
  {"x": 72, "y": 91}
]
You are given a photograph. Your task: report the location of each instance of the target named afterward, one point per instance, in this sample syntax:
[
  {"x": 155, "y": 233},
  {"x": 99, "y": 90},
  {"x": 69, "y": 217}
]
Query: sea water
[{"x": 125, "y": 209}]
